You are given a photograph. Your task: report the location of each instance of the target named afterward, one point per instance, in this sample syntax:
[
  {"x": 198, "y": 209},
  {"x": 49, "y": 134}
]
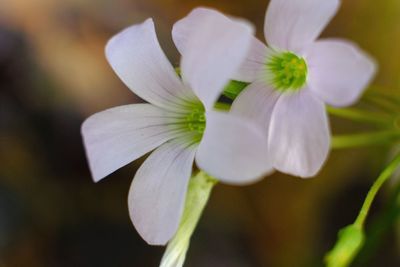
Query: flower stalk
[
  {"x": 352, "y": 237},
  {"x": 361, "y": 116},
  {"x": 383, "y": 177},
  {"x": 365, "y": 139},
  {"x": 200, "y": 187},
  {"x": 389, "y": 104}
]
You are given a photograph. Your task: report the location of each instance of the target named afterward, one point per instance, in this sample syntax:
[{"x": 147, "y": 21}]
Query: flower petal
[
  {"x": 253, "y": 66},
  {"x": 214, "y": 49},
  {"x": 118, "y": 136},
  {"x": 137, "y": 58},
  {"x": 299, "y": 134},
  {"x": 292, "y": 24},
  {"x": 249, "y": 69},
  {"x": 256, "y": 102},
  {"x": 233, "y": 149},
  {"x": 157, "y": 194},
  {"x": 339, "y": 71}
]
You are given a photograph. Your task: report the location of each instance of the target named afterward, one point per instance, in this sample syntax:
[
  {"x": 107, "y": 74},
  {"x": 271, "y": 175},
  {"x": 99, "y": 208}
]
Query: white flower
[
  {"x": 230, "y": 149},
  {"x": 293, "y": 77}
]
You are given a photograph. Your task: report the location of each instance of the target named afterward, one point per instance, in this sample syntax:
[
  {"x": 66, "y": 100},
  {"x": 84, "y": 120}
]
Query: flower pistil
[
  {"x": 286, "y": 71},
  {"x": 196, "y": 120}
]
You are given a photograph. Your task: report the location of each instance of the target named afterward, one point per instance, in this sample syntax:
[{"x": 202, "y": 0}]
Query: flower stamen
[
  {"x": 196, "y": 120},
  {"x": 286, "y": 71}
]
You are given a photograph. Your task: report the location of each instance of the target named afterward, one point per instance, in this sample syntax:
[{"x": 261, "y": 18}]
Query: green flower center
[
  {"x": 286, "y": 71},
  {"x": 196, "y": 120}
]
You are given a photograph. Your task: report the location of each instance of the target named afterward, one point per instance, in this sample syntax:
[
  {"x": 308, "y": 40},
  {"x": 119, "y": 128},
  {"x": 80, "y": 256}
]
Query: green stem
[
  {"x": 361, "y": 116},
  {"x": 222, "y": 106},
  {"x": 385, "y": 101},
  {"x": 386, "y": 174},
  {"x": 199, "y": 190},
  {"x": 382, "y": 105},
  {"x": 352, "y": 237},
  {"x": 365, "y": 139},
  {"x": 380, "y": 228},
  {"x": 233, "y": 89}
]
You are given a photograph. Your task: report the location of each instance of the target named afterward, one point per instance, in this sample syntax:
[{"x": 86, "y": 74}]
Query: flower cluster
[
  {"x": 180, "y": 124},
  {"x": 277, "y": 122}
]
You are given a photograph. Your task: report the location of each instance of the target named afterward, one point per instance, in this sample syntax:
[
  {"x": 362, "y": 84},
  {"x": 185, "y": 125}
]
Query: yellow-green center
[
  {"x": 196, "y": 120},
  {"x": 286, "y": 71}
]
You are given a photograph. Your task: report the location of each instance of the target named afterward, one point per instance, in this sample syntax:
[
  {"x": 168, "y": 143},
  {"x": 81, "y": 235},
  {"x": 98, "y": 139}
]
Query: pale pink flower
[
  {"x": 293, "y": 77},
  {"x": 179, "y": 124}
]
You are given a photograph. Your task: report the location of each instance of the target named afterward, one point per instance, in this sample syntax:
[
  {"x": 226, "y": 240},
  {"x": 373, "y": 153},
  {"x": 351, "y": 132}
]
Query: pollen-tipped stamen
[
  {"x": 286, "y": 71},
  {"x": 196, "y": 120}
]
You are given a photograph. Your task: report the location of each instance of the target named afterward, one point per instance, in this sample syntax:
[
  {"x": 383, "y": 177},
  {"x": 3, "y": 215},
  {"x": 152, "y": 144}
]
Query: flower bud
[{"x": 350, "y": 241}]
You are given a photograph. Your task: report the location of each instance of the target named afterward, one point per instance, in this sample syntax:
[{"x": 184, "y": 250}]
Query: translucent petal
[
  {"x": 157, "y": 194},
  {"x": 233, "y": 149},
  {"x": 118, "y": 136},
  {"x": 339, "y": 71},
  {"x": 137, "y": 58},
  {"x": 299, "y": 137}
]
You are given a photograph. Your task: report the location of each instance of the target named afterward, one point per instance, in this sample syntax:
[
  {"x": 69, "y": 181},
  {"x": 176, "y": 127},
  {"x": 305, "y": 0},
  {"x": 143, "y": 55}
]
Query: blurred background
[{"x": 53, "y": 74}]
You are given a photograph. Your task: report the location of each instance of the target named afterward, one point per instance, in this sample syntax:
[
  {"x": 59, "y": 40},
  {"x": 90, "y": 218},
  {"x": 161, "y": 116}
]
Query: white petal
[
  {"x": 253, "y": 66},
  {"x": 137, "y": 58},
  {"x": 118, "y": 136},
  {"x": 256, "y": 102},
  {"x": 292, "y": 24},
  {"x": 183, "y": 28},
  {"x": 157, "y": 194},
  {"x": 249, "y": 69},
  {"x": 299, "y": 134},
  {"x": 233, "y": 149},
  {"x": 214, "y": 49},
  {"x": 339, "y": 71}
]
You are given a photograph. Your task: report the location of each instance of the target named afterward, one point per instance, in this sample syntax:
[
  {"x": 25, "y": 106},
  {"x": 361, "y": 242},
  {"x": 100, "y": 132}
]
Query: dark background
[{"x": 53, "y": 75}]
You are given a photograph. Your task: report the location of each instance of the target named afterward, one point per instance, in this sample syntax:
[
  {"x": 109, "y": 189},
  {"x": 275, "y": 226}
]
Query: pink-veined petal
[
  {"x": 256, "y": 102},
  {"x": 339, "y": 71},
  {"x": 292, "y": 24},
  {"x": 137, "y": 58},
  {"x": 215, "y": 47},
  {"x": 157, "y": 194},
  {"x": 299, "y": 137},
  {"x": 233, "y": 149},
  {"x": 118, "y": 136}
]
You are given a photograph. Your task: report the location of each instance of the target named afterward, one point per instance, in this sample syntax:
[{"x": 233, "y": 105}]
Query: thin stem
[
  {"x": 386, "y": 174},
  {"x": 365, "y": 139},
  {"x": 361, "y": 116},
  {"x": 233, "y": 89},
  {"x": 384, "y": 104},
  {"x": 389, "y": 101},
  {"x": 222, "y": 106},
  {"x": 380, "y": 228}
]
